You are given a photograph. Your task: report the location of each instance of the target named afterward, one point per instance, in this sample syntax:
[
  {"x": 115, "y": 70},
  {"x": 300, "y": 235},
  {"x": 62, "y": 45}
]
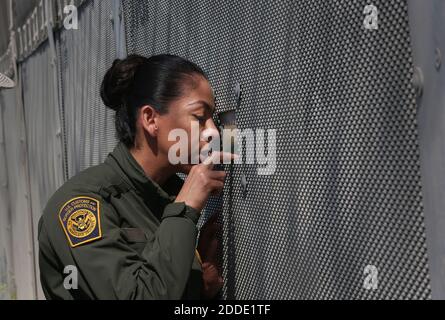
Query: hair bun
[{"x": 118, "y": 81}]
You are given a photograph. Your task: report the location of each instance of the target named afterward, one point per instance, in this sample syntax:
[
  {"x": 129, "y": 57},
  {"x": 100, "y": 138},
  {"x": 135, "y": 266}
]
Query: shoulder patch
[{"x": 80, "y": 219}]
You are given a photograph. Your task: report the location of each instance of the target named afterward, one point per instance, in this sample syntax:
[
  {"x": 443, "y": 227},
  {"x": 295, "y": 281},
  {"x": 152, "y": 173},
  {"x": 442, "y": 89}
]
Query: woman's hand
[
  {"x": 208, "y": 249},
  {"x": 203, "y": 181}
]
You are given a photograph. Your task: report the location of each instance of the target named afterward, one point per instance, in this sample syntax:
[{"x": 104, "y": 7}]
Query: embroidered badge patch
[{"x": 80, "y": 219}]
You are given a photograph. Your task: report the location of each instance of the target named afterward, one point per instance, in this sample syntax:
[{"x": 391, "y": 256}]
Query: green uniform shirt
[{"x": 123, "y": 233}]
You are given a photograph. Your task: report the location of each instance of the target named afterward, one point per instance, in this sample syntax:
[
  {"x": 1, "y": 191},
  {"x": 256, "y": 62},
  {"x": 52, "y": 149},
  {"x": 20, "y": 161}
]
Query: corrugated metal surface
[
  {"x": 43, "y": 130},
  {"x": 38, "y": 133},
  {"x": 7, "y": 288},
  {"x": 427, "y": 26},
  {"x": 84, "y": 57},
  {"x": 21, "y": 258}
]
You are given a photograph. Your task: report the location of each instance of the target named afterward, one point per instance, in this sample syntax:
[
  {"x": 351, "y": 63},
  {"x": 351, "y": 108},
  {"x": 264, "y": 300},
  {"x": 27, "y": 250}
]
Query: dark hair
[{"x": 137, "y": 81}]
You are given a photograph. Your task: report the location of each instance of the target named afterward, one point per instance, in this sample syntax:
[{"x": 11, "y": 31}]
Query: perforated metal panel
[
  {"x": 85, "y": 55},
  {"x": 347, "y": 191}
]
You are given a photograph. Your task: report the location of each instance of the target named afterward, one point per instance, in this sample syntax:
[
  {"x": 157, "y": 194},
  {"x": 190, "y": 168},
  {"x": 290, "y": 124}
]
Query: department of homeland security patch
[{"x": 80, "y": 219}]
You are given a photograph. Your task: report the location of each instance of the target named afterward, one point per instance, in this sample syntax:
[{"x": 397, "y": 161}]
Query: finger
[
  {"x": 216, "y": 185},
  {"x": 211, "y": 160},
  {"x": 217, "y": 175},
  {"x": 218, "y": 157},
  {"x": 227, "y": 157},
  {"x": 216, "y": 193}
]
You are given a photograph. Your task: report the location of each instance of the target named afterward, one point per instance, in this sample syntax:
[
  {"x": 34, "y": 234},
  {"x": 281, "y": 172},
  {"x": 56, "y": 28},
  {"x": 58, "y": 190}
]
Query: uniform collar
[{"x": 130, "y": 170}]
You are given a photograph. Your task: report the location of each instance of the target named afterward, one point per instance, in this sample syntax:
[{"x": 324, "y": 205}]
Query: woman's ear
[{"x": 148, "y": 120}]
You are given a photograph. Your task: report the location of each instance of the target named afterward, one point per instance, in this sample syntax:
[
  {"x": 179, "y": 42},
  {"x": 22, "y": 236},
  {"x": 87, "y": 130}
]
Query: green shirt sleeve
[{"x": 113, "y": 270}]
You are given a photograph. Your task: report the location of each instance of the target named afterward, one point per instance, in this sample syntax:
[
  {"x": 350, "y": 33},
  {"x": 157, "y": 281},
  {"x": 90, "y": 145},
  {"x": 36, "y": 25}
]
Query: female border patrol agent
[{"x": 127, "y": 227}]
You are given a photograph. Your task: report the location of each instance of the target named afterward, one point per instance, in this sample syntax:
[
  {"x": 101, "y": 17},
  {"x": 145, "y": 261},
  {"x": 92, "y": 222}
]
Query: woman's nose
[
  {"x": 212, "y": 126},
  {"x": 211, "y": 131}
]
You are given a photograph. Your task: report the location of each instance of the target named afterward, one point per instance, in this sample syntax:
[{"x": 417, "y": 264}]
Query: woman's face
[{"x": 192, "y": 112}]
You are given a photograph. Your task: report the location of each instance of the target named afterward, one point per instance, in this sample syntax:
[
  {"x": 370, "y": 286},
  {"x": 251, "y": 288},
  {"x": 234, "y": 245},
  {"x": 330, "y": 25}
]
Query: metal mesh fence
[{"x": 346, "y": 191}]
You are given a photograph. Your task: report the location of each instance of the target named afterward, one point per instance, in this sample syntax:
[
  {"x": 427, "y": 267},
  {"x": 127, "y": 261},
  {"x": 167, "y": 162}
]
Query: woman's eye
[{"x": 200, "y": 119}]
